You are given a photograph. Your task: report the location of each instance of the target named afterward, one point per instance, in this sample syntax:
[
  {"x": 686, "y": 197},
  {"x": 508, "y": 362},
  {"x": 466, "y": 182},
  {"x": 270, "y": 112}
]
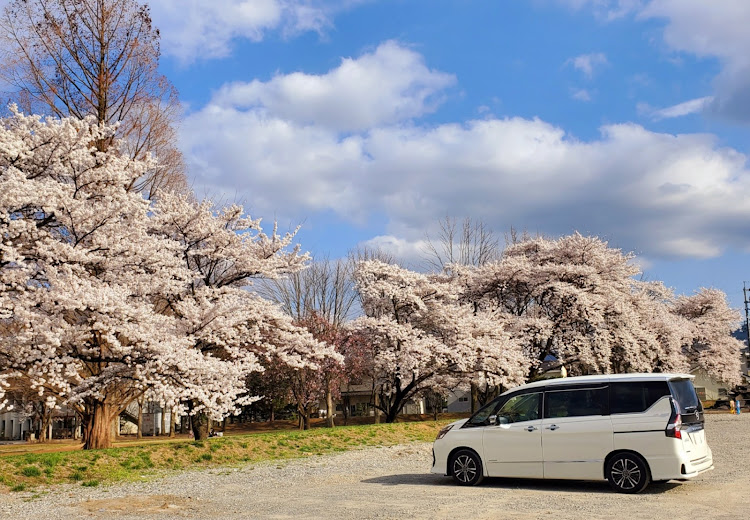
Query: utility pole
[{"x": 747, "y": 315}]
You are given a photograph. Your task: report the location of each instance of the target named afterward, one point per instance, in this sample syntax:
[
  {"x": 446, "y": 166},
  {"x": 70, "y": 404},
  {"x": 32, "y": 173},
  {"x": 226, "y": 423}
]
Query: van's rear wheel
[
  {"x": 627, "y": 473},
  {"x": 466, "y": 468}
]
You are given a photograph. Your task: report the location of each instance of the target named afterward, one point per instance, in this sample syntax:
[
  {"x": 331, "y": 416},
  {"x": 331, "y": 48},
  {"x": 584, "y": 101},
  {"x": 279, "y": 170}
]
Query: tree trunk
[
  {"x": 306, "y": 419},
  {"x": 163, "y": 421},
  {"x": 172, "y": 422},
  {"x": 139, "y": 434},
  {"x": 474, "y": 398},
  {"x": 98, "y": 426},
  {"x": 329, "y": 408},
  {"x": 44, "y": 432},
  {"x": 376, "y": 400},
  {"x": 200, "y": 425}
]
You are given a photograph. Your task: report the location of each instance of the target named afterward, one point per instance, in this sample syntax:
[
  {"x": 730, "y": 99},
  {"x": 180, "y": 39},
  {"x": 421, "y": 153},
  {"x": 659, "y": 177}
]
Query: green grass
[
  {"x": 136, "y": 462},
  {"x": 31, "y": 471}
]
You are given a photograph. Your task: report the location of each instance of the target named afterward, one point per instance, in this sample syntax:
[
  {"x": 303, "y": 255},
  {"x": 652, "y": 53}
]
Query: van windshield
[{"x": 683, "y": 392}]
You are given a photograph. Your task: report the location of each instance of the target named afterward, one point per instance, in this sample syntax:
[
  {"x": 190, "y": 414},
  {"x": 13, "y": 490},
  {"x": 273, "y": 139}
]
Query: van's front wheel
[
  {"x": 466, "y": 468},
  {"x": 627, "y": 473}
]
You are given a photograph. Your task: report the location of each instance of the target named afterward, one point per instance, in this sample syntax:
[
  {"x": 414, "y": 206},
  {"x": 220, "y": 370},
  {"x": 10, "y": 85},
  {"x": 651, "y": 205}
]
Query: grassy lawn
[{"x": 145, "y": 460}]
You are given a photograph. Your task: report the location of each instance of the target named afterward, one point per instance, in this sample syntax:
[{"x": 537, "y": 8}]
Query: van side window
[
  {"x": 577, "y": 402},
  {"x": 519, "y": 408},
  {"x": 633, "y": 397}
]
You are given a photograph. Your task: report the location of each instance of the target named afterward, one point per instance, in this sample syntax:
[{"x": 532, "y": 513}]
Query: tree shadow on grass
[{"x": 564, "y": 486}]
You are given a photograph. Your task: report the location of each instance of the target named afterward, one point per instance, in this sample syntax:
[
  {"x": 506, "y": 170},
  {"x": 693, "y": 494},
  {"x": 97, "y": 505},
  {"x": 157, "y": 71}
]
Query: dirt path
[{"x": 395, "y": 483}]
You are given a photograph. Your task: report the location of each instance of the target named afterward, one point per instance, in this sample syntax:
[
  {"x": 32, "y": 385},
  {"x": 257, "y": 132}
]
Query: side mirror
[{"x": 497, "y": 420}]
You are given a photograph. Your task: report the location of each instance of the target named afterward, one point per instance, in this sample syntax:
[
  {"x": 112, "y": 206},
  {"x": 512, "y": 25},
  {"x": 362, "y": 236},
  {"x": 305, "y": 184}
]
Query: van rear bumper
[{"x": 682, "y": 468}]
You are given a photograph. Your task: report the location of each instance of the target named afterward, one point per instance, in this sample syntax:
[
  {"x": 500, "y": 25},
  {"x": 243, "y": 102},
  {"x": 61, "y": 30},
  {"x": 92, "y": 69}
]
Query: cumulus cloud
[
  {"x": 198, "y": 29},
  {"x": 409, "y": 253},
  {"x": 391, "y": 83},
  {"x": 659, "y": 194},
  {"x": 587, "y": 63}
]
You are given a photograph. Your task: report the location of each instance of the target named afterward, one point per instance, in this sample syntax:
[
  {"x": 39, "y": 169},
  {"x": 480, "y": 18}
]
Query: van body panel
[
  {"x": 460, "y": 437},
  {"x": 514, "y": 450},
  {"x": 575, "y": 447}
]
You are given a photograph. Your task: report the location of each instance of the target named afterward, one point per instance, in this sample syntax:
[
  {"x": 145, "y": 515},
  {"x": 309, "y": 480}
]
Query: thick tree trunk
[
  {"x": 474, "y": 398},
  {"x": 392, "y": 414},
  {"x": 200, "y": 425},
  {"x": 306, "y": 419},
  {"x": 98, "y": 426},
  {"x": 376, "y": 400},
  {"x": 329, "y": 408},
  {"x": 163, "y": 421},
  {"x": 44, "y": 431}
]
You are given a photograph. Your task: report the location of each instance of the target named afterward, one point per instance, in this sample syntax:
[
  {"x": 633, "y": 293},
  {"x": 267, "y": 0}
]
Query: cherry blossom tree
[
  {"x": 710, "y": 344},
  {"x": 225, "y": 251},
  {"x": 420, "y": 336},
  {"x": 577, "y": 300},
  {"x": 106, "y": 296},
  {"x": 79, "y": 272}
]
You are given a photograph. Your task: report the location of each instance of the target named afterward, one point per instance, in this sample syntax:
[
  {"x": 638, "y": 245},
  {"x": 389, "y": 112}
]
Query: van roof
[{"x": 606, "y": 378}]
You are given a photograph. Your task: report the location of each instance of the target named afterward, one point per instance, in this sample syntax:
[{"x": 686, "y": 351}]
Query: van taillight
[{"x": 674, "y": 424}]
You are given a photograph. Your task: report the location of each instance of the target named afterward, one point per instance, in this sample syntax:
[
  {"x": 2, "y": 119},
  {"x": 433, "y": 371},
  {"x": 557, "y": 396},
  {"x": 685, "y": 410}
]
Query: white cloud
[
  {"x": 200, "y": 29},
  {"x": 587, "y": 63},
  {"x": 712, "y": 29},
  {"x": 409, "y": 253},
  {"x": 694, "y": 106},
  {"x": 715, "y": 28},
  {"x": 580, "y": 94},
  {"x": 390, "y": 84},
  {"x": 707, "y": 29},
  {"x": 659, "y": 194},
  {"x": 606, "y": 9}
]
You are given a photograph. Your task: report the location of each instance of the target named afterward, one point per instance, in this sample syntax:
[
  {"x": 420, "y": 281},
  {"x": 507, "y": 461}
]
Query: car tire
[
  {"x": 466, "y": 468},
  {"x": 627, "y": 473}
]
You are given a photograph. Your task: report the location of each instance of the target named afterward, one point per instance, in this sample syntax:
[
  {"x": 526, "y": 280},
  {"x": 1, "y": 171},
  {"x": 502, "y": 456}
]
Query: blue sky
[{"x": 368, "y": 121}]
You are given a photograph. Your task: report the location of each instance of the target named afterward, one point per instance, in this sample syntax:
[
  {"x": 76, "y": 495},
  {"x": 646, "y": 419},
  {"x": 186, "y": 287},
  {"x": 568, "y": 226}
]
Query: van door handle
[
  {"x": 552, "y": 427},
  {"x": 530, "y": 428}
]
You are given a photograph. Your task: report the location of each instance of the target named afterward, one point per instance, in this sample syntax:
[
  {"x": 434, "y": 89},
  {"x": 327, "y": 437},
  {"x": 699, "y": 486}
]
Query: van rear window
[
  {"x": 637, "y": 396},
  {"x": 684, "y": 393}
]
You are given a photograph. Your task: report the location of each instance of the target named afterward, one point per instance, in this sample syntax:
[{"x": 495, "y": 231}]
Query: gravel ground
[{"x": 395, "y": 483}]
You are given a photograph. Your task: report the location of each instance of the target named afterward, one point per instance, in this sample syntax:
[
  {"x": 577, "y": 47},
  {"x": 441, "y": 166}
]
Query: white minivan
[{"x": 629, "y": 429}]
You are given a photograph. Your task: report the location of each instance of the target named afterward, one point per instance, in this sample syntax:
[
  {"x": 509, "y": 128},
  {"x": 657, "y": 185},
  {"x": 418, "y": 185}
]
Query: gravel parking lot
[{"x": 395, "y": 483}]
